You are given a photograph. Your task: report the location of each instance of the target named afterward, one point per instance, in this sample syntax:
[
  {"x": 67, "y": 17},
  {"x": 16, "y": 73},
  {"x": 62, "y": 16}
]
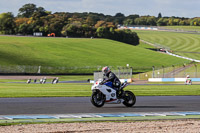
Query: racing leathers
[{"x": 111, "y": 77}]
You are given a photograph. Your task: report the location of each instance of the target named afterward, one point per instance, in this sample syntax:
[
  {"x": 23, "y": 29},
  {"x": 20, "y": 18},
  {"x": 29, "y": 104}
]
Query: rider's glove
[{"x": 101, "y": 83}]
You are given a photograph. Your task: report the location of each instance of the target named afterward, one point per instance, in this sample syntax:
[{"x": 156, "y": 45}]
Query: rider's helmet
[
  {"x": 105, "y": 70},
  {"x": 188, "y": 76}
]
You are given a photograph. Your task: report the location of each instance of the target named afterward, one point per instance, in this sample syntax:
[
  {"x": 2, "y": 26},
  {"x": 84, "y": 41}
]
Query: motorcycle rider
[
  {"x": 111, "y": 77},
  {"x": 188, "y": 80}
]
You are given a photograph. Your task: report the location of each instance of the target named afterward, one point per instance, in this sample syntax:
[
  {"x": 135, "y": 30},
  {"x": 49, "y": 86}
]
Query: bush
[
  {"x": 72, "y": 30},
  {"x": 126, "y": 35}
]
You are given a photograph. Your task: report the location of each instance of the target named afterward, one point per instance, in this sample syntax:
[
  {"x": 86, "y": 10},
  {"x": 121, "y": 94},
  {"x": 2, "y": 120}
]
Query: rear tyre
[
  {"x": 129, "y": 99},
  {"x": 98, "y": 99}
]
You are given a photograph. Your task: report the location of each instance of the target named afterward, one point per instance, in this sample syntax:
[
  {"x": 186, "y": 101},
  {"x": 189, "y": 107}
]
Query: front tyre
[
  {"x": 98, "y": 99},
  {"x": 129, "y": 99}
]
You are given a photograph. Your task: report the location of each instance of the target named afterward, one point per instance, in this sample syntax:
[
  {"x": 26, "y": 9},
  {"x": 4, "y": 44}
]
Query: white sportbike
[{"x": 102, "y": 94}]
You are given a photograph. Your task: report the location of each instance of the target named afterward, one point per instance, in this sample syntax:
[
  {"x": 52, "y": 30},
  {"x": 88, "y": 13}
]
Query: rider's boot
[{"x": 120, "y": 93}]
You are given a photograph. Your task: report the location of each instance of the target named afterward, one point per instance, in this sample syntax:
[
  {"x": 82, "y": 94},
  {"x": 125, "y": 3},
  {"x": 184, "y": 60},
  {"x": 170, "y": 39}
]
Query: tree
[
  {"x": 40, "y": 12},
  {"x": 171, "y": 22},
  {"x": 92, "y": 19},
  {"x": 7, "y": 24},
  {"x": 20, "y": 21},
  {"x": 162, "y": 22},
  {"x": 72, "y": 30},
  {"x": 159, "y": 15},
  {"x": 23, "y": 26},
  {"x": 133, "y": 16},
  {"x": 119, "y": 18},
  {"x": 151, "y": 21},
  {"x": 141, "y": 21},
  {"x": 176, "y": 21},
  {"x": 127, "y": 36},
  {"x": 104, "y": 24},
  {"x": 100, "y": 32},
  {"x": 119, "y": 15},
  {"x": 195, "y": 22},
  {"x": 25, "y": 29},
  {"x": 128, "y": 22},
  {"x": 182, "y": 22},
  {"x": 27, "y": 10}
]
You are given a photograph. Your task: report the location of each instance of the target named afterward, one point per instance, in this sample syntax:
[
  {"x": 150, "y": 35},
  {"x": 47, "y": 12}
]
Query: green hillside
[
  {"x": 184, "y": 44},
  {"x": 65, "y": 52}
]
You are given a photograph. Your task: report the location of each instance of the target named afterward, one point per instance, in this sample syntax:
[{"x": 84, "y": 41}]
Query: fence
[
  {"x": 143, "y": 73},
  {"x": 22, "y": 69},
  {"x": 18, "y": 69},
  {"x": 180, "y": 71},
  {"x": 123, "y": 72}
]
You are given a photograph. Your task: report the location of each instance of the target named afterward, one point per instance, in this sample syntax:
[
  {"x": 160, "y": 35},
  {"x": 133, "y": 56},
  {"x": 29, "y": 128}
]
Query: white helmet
[
  {"x": 188, "y": 76},
  {"x": 105, "y": 70}
]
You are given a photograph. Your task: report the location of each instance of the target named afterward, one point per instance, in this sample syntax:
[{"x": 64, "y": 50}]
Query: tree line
[{"x": 32, "y": 19}]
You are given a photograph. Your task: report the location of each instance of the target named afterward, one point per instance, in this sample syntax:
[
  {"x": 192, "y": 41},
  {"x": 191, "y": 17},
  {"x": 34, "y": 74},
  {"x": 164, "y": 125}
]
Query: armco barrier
[
  {"x": 182, "y": 57},
  {"x": 138, "y": 28},
  {"x": 172, "y": 79}
]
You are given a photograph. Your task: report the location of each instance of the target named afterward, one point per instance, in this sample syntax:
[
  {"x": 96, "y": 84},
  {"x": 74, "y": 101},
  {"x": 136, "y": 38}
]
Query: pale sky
[{"x": 180, "y": 8}]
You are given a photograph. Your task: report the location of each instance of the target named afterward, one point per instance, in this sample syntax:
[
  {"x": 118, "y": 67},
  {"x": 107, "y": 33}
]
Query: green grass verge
[
  {"x": 102, "y": 119},
  {"x": 44, "y": 90},
  {"x": 84, "y": 90},
  {"x": 78, "y": 54}
]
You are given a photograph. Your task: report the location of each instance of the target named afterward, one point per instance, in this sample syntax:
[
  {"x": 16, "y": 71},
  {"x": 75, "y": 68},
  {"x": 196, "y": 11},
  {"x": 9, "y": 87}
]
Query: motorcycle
[
  {"x": 102, "y": 94},
  {"x": 188, "y": 82}
]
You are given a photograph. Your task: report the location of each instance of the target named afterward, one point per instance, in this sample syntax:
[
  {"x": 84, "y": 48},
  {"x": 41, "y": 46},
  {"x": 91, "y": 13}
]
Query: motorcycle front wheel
[
  {"x": 129, "y": 99},
  {"x": 98, "y": 99}
]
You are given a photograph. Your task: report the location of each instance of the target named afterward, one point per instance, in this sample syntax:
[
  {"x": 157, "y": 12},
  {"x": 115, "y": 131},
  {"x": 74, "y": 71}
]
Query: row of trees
[
  {"x": 178, "y": 21},
  {"x": 162, "y": 21},
  {"x": 32, "y": 19}
]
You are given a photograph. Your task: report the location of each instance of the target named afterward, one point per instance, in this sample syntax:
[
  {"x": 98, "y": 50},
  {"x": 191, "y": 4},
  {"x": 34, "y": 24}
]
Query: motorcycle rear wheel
[
  {"x": 129, "y": 99},
  {"x": 98, "y": 99}
]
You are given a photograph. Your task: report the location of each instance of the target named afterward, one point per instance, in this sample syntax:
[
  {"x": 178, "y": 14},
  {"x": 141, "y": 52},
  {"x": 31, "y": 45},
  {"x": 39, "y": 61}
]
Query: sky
[{"x": 180, "y": 8}]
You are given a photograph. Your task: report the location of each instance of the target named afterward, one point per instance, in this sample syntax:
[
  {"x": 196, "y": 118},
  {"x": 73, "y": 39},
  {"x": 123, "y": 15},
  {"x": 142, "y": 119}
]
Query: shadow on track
[
  {"x": 154, "y": 107},
  {"x": 142, "y": 107}
]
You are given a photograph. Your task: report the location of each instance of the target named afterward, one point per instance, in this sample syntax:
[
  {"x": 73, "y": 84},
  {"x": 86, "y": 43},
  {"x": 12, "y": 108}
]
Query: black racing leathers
[{"x": 111, "y": 77}]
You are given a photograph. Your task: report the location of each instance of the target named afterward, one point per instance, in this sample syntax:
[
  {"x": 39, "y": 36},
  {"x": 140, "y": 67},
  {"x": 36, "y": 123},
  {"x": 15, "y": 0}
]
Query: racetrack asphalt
[{"x": 72, "y": 105}]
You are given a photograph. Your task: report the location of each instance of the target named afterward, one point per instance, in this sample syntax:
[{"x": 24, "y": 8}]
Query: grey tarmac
[{"x": 72, "y": 105}]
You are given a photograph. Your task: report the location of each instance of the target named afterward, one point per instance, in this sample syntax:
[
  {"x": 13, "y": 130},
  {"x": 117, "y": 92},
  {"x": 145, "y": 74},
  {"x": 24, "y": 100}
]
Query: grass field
[
  {"x": 184, "y": 44},
  {"x": 78, "y": 90},
  {"x": 65, "y": 52}
]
